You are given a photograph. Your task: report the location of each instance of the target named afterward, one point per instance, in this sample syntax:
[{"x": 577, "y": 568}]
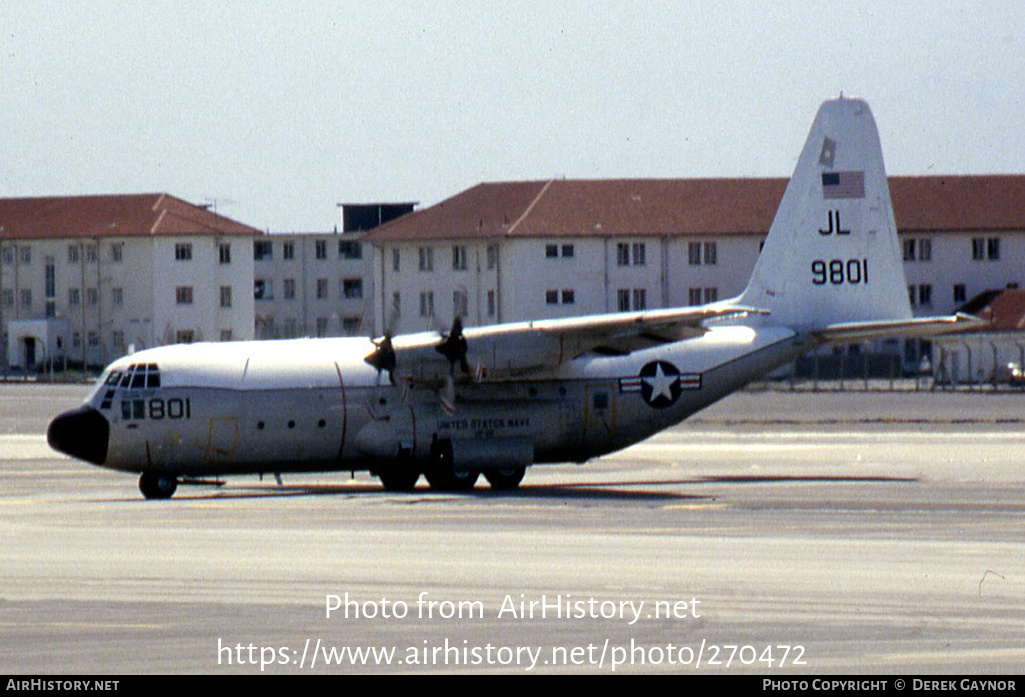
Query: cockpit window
[{"x": 136, "y": 376}]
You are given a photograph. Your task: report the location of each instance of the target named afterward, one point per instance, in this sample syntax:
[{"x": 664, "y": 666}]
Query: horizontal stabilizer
[{"x": 919, "y": 327}]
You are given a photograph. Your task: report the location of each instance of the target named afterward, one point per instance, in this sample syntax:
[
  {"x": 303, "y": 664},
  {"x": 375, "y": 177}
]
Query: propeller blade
[
  {"x": 454, "y": 347},
  {"x": 383, "y": 357}
]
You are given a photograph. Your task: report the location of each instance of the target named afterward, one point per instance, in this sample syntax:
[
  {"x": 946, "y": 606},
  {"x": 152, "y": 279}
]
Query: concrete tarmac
[{"x": 776, "y": 533}]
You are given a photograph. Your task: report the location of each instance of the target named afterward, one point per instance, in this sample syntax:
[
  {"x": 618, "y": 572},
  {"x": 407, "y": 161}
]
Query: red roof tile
[
  {"x": 1006, "y": 311},
  {"x": 130, "y": 215},
  {"x": 657, "y": 207}
]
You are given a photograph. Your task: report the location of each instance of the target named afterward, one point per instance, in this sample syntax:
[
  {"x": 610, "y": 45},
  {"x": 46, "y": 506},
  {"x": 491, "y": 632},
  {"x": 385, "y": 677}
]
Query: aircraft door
[
  {"x": 599, "y": 413},
  {"x": 222, "y": 445}
]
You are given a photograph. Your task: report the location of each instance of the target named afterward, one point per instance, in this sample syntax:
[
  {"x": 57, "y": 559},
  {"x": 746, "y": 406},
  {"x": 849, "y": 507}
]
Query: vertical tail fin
[{"x": 832, "y": 253}]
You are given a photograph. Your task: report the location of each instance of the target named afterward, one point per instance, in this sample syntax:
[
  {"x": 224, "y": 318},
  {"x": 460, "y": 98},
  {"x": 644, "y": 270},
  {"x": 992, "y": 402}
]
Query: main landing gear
[
  {"x": 505, "y": 478},
  {"x": 443, "y": 475}
]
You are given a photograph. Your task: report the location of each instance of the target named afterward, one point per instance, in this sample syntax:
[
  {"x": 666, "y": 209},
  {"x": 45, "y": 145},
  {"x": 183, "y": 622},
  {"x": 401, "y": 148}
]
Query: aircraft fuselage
[{"x": 315, "y": 405}]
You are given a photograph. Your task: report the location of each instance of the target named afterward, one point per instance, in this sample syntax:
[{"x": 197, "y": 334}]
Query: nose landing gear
[{"x": 157, "y": 485}]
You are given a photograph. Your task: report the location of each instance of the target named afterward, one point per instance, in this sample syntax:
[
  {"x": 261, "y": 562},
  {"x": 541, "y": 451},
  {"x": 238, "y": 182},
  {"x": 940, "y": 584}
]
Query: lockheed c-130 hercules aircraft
[{"x": 495, "y": 400}]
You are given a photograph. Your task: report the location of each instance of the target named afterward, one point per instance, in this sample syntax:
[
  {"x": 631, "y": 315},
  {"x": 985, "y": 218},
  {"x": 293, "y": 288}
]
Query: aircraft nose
[{"x": 80, "y": 433}]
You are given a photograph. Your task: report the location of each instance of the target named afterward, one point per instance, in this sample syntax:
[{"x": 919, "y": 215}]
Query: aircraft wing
[
  {"x": 522, "y": 347},
  {"x": 844, "y": 332}
]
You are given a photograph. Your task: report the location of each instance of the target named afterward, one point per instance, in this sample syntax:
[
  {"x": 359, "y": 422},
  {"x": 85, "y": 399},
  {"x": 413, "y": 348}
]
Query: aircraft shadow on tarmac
[{"x": 597, "y": 491}]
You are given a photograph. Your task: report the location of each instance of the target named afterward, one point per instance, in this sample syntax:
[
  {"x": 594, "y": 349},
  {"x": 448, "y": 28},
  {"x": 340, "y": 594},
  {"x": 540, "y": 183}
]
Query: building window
[
  {"x": 351, "y": 326},
  {"x": 551, "y": 297},
  {"x": 622, "y": 254},
  {"x": 183, "y": 295},
  {"x": 118, "y": 338},
  {"x": 640, "y": 254},
  {"x": 116, "y": 252},
  {"x": 638, "y": 297},
  {"x": 183, "y": 251},
  {"x": 322, "y": 326},
  {"x": 225, "y": 335},
  {"x": 225, "y": 296},
  {"x": 395, "y": 260},
  {"x": 289, "y": 289},
  {"x": 427, "y": 304},
  {"x": 352, "y": 288},
  {"x": 92, "y": 296},
  {"x": 185, "y": 336},
  {"x": 117, "y": 296},
  {"x": 568, "y": 297},
  {"x": 492, "y": 256},
  {"x": 458, "y": 258},
  {"x": 993, "y": 248},
  {"x": 8, "y": 297},
  {"x": 321, "y": 289},
  {"x": 460, "y": 304},
  {"x": 918, "y": 249},
  {"x": 925, "y": 249},
  {"x": 26, "y": 255},
  {"x": 26, "y": 297},
  {"x": 567, "y": 251},
  {"x": 426, "y": 259},
  {"x": 264, "y": 251},
  {"x": 348, "y": 249},
  {"x": 74, "y": 297},
  {"x": 287, "y": 251},
  {"x": 694, "y": 256},
  {"x": 320, "y": 249},
  {"x": 698, "y": 296},
  {"x": 960, "y": 293},
  {"x": 263, "y": 290},
  {"x": 224, "y": 252},
  {"x": 73, "y": 254},
  {"x": 925, "y": 295},
  {"x": 710, "y": 253},
  {"x": 91, "y": 253},
  {"x": 491, "y": 303},
  {"x": 551, "y": 251},
  {"x": 50, "y": 278}
]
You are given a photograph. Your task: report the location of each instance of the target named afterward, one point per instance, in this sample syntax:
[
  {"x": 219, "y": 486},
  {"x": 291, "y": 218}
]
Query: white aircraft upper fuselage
[{"x": 495, "y": 400}]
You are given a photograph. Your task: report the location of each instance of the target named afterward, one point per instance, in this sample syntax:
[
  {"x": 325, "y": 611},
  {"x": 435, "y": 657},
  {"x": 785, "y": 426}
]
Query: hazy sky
[{"x": 280, "y": 110}]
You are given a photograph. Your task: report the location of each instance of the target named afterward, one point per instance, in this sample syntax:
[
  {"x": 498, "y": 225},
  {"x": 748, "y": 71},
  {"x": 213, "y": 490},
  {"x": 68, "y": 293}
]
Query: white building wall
[
  {"x": 952, "y": 263},
  {"x": 314, "y": 285},
  {"x": 202, "y": 276}
]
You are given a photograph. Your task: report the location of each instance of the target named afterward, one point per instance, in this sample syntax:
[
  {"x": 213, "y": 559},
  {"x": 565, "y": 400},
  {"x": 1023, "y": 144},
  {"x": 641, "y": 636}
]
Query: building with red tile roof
[
  {"x": 511, "y": 251},
  {"x": 84, "y": 279}
]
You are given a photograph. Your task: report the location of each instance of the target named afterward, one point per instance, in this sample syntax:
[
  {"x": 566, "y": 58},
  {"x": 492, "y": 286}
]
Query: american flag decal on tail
[{"x": 843, "y": 185}]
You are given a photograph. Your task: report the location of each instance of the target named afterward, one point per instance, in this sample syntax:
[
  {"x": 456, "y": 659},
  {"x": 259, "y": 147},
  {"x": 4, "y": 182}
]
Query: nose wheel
[{"x": 157, "y": 485}]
